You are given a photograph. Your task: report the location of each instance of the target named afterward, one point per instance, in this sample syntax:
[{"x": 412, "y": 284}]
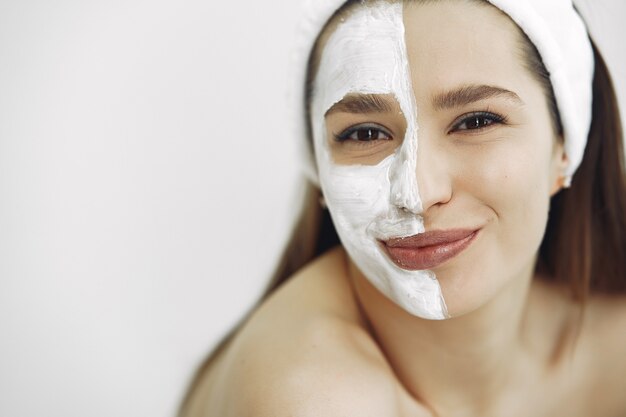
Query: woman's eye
[
  {"x": 363, "y": 134},
  {"x": 477, "y": 121}
]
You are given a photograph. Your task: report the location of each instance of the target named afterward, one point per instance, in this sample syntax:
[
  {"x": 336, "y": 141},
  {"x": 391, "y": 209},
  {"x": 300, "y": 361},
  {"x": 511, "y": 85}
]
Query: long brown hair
[{"x": 585, "y": 241}]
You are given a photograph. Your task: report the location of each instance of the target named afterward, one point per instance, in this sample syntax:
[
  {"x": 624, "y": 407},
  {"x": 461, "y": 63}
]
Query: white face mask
[{"x": 367, "y": 54}]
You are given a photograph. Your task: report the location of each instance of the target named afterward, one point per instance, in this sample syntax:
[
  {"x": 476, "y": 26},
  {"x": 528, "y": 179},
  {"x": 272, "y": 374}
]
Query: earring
[
  {"x": 566, "y": 181},
  {"x": 563, "y": 181}
]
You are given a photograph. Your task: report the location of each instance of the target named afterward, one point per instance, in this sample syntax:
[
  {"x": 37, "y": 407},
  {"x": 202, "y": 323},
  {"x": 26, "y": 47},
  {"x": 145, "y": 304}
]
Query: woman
[{"x": 468, "y": 282}]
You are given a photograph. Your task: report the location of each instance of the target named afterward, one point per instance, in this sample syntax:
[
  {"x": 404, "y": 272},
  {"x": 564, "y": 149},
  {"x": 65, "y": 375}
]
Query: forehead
[
  {"x": 461, "y": 42},
  {"x": 442, "y": 43},
  {"x": 365, "y": 53}
]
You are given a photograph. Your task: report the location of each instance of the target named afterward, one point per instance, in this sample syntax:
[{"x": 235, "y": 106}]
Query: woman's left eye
[{"x": 477, "y": 121}]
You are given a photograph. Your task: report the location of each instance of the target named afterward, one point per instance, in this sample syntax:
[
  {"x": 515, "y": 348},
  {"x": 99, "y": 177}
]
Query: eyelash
[
  {"x": 487, "y": 117},
  {"x": 374, "y": 130},
  {"x": 492, "y": 118}
]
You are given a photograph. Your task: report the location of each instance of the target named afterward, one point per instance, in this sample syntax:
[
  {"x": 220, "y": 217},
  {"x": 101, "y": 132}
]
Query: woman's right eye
[{"x": 363, "y": 133}]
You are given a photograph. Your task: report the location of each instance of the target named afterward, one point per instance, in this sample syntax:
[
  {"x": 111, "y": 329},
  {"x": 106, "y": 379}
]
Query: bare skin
[
  {"x": 311, "y": 351},
  {"x": 329, "y": 344}
]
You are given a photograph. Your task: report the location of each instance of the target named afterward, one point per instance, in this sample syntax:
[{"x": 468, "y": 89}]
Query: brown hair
[
  {"x": 584, "y": 244},
  {"x": 585, "y": 240}
]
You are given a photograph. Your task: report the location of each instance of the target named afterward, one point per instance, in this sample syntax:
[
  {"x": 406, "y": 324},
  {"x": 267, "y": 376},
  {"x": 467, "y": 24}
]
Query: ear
[{"x": 560, "y": 162}]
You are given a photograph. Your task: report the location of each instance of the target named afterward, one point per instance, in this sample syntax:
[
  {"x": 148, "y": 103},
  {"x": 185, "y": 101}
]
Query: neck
[{"x": 457, "y": 366}]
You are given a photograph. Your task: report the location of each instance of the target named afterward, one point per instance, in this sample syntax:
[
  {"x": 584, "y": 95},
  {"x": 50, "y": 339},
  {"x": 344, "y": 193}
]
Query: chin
[{"x": 474, "y": 287}]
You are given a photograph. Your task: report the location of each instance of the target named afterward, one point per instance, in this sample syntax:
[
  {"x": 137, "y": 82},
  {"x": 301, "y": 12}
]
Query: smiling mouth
[{"x": 428, "y": 250}]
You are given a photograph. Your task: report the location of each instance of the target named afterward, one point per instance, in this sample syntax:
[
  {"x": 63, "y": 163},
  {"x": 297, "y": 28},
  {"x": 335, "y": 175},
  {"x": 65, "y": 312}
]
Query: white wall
[
  {"x": 605, "y": 20},
  {"x": 147, "y": 182}
]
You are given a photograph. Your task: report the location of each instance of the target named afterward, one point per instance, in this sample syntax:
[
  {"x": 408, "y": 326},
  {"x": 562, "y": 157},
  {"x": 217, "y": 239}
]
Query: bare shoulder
[
  {"x": 605, "y": 325},
  {"x": 604, "y": 339},
  {"x": 306, "y": 352}
]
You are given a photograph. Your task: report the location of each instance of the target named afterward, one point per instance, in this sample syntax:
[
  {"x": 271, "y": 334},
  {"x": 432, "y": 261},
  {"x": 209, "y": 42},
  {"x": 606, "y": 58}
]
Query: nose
[
  {"x": 432, "y": 172},
  {"x": 421, "y": 178}
]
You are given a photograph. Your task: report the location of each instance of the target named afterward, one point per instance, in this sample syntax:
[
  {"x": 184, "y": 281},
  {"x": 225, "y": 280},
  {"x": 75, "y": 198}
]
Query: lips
[{"x": 428, "y": 250}]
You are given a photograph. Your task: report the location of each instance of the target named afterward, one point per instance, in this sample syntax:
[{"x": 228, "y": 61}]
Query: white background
[{"x": 147, "y": 185}]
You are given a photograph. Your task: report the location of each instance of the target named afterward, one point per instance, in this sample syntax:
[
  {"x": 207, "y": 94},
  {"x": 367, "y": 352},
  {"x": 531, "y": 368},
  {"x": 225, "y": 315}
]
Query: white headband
[{"x": 554, "y": 27}]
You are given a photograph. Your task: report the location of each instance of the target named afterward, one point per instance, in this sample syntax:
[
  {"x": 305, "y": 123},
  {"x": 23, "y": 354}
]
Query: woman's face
[{"x": 436, "y": 152}]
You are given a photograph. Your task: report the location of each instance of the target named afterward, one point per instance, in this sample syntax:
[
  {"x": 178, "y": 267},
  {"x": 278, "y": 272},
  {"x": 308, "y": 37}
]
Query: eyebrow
[
  {"x": 361, "y": 104},
  {"x": 469, "y": 94}
]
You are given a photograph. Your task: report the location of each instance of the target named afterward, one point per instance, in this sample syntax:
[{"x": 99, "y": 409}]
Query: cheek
[
  {"x": 355, "y": 194},
  {"x": 512, "y": 180}
]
